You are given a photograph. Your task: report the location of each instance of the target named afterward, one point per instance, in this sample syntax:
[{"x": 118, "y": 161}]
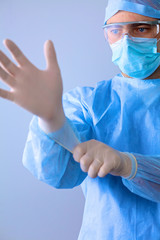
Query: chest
[{"x": 131, "y": 126}]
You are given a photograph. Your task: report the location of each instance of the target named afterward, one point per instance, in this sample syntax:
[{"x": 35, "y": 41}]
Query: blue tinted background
[{"x": 30, "y": 209}]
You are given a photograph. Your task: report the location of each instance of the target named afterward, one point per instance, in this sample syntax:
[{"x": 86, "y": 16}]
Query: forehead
[{"x": 124, "y": 16}]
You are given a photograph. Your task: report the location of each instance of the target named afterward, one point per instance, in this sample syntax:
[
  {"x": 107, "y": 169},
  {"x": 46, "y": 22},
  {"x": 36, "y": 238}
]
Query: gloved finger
[
  {"x": 50, "y": 55},
  {"x": 85, "y": 162},
  {"x": 104, "y": 170},
  {"x": 79, "y": 151},
  {"x": 8, "y": 64},
  {"x": 94, "y": 168},
  {"x": 6, "y": 78},
  {"x": 6, "y": 94},
  {"x": 16, "y": 52}
]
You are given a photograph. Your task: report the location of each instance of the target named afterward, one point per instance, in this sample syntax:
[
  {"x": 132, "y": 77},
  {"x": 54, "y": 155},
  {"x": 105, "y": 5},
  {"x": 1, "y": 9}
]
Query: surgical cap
[{"x": 149, "y": 8}]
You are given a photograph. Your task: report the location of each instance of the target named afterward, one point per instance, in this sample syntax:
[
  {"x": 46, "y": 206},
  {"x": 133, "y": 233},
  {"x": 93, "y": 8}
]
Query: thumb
[{"x": 50, "y": 54}]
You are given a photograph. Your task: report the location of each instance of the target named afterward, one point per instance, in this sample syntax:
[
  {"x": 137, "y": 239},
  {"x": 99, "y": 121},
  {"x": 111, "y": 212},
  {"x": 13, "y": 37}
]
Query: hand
[
  {"x": 39, "y": 92},
  {"x": 98, "y": 159}
]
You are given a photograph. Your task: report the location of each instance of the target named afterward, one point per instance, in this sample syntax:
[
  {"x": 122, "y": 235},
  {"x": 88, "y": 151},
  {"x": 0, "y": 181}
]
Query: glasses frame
[{"x": 156, "y": 22}]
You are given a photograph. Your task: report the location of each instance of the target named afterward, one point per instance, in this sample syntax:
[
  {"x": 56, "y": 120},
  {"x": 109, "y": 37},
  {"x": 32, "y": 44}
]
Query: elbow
[{"x": 56, "y": 183}]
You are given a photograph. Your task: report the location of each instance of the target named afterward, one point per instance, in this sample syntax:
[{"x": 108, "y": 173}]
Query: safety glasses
[{"x": 141, "y": 29}]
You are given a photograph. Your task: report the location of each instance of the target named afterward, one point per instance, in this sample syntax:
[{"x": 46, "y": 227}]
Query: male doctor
[{"x": 105, "y": 138}]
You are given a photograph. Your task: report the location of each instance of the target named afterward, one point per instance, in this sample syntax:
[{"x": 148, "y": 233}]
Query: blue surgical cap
[{"x": 149, "y": 8}]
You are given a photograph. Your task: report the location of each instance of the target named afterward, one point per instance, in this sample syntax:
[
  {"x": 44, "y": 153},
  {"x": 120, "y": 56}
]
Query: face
[{"x": 124, "y": 16}]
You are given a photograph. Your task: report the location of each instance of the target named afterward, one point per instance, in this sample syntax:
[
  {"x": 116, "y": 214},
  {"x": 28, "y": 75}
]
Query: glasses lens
[{"x": 115, "y": 32}]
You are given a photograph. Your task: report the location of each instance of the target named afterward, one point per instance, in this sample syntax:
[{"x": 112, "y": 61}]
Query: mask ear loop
[
  {"x": 158, "y": 28},
  {"x": 158, "y": 31}
]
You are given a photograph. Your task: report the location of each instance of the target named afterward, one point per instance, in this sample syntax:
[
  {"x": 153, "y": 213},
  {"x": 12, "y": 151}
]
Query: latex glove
[
  {"x": 39, "y": 92},
  {"x": 98, "y": 159}
]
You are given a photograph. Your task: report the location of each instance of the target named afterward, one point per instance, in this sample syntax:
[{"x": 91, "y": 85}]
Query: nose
[
  {"x": 125, "y": 34},
  {"x": 126, "y": 31}
]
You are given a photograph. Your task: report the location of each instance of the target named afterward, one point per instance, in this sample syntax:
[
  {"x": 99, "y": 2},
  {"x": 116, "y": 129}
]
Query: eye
[
  {"x": 141, "y": 29},
  {"x": 114, "y": 31}
]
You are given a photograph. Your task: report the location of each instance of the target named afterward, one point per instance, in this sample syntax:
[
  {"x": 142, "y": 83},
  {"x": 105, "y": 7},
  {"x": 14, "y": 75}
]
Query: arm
[
  {"x": 45, "y": 154},
  {"x": 48, "y": 161},
  {"x": 140, "y": 174},
  {"x": 40, "y": 92},
  {"x": 146, "y": 183}
]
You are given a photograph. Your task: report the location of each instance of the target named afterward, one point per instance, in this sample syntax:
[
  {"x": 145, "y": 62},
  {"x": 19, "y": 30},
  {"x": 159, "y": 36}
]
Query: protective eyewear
[{"x": 142, "y": 29}]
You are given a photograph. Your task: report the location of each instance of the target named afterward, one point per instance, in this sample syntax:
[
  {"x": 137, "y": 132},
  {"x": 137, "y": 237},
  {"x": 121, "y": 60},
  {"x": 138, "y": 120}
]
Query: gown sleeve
[
  {"x": 49, "y": 161},
  {"x": 146, "y": 182}
]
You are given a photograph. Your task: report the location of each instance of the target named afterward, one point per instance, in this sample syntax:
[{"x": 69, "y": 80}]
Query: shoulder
[
  {"x": 88, "y": 94},
  {"x": 88, "y": 104}
]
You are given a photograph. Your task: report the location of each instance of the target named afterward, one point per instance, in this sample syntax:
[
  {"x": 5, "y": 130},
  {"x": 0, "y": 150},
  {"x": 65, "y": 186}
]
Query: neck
[{"x": 155, "y": 75}]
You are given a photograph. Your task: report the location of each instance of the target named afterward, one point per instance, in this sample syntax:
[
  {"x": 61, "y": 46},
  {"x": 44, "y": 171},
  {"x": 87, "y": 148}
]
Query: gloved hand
[
  {"x": 98, "y": 159},
  {"x": 39, "y": 92}
]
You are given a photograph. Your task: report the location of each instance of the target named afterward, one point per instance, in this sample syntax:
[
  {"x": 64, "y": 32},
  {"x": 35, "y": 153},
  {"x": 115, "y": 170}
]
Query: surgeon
[{"x": 107, "y": 138}]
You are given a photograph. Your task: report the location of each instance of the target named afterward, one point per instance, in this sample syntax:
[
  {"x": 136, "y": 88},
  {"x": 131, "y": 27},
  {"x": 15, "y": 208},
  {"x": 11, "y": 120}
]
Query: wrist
[
  {"x": 134, "y": 166},
  {"x": 126, "y": 165},
  {"x": 122, "y": 166},
  {"x": 52, "y": 125}
]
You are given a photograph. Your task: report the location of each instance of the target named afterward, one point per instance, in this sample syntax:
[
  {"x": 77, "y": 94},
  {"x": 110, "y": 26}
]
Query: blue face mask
[{"x": 136, "y": 57}]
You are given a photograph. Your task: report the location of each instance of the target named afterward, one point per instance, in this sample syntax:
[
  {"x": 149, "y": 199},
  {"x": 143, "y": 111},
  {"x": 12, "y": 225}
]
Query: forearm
[
  {"x": 52, "y": 124},
  {"x": 66, "y": 136},
  {"x": 146, "y": 182},
  {"x": 50, "y": 162}
]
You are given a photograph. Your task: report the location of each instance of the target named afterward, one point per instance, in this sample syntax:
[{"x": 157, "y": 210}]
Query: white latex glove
[
  {"x": 98, "y": 159},
  {"x": 39, "y": 92}
]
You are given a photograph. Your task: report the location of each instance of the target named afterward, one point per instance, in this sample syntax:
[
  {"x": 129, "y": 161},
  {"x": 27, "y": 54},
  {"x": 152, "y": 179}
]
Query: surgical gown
[{"x": 123, "y": 113}]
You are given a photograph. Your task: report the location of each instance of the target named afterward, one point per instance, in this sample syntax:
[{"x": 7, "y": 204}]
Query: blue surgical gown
[{"x": 124, "y": 114}]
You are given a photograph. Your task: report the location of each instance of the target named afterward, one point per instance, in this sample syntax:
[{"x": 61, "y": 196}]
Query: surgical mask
[{"x": 136, "y": 57}]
